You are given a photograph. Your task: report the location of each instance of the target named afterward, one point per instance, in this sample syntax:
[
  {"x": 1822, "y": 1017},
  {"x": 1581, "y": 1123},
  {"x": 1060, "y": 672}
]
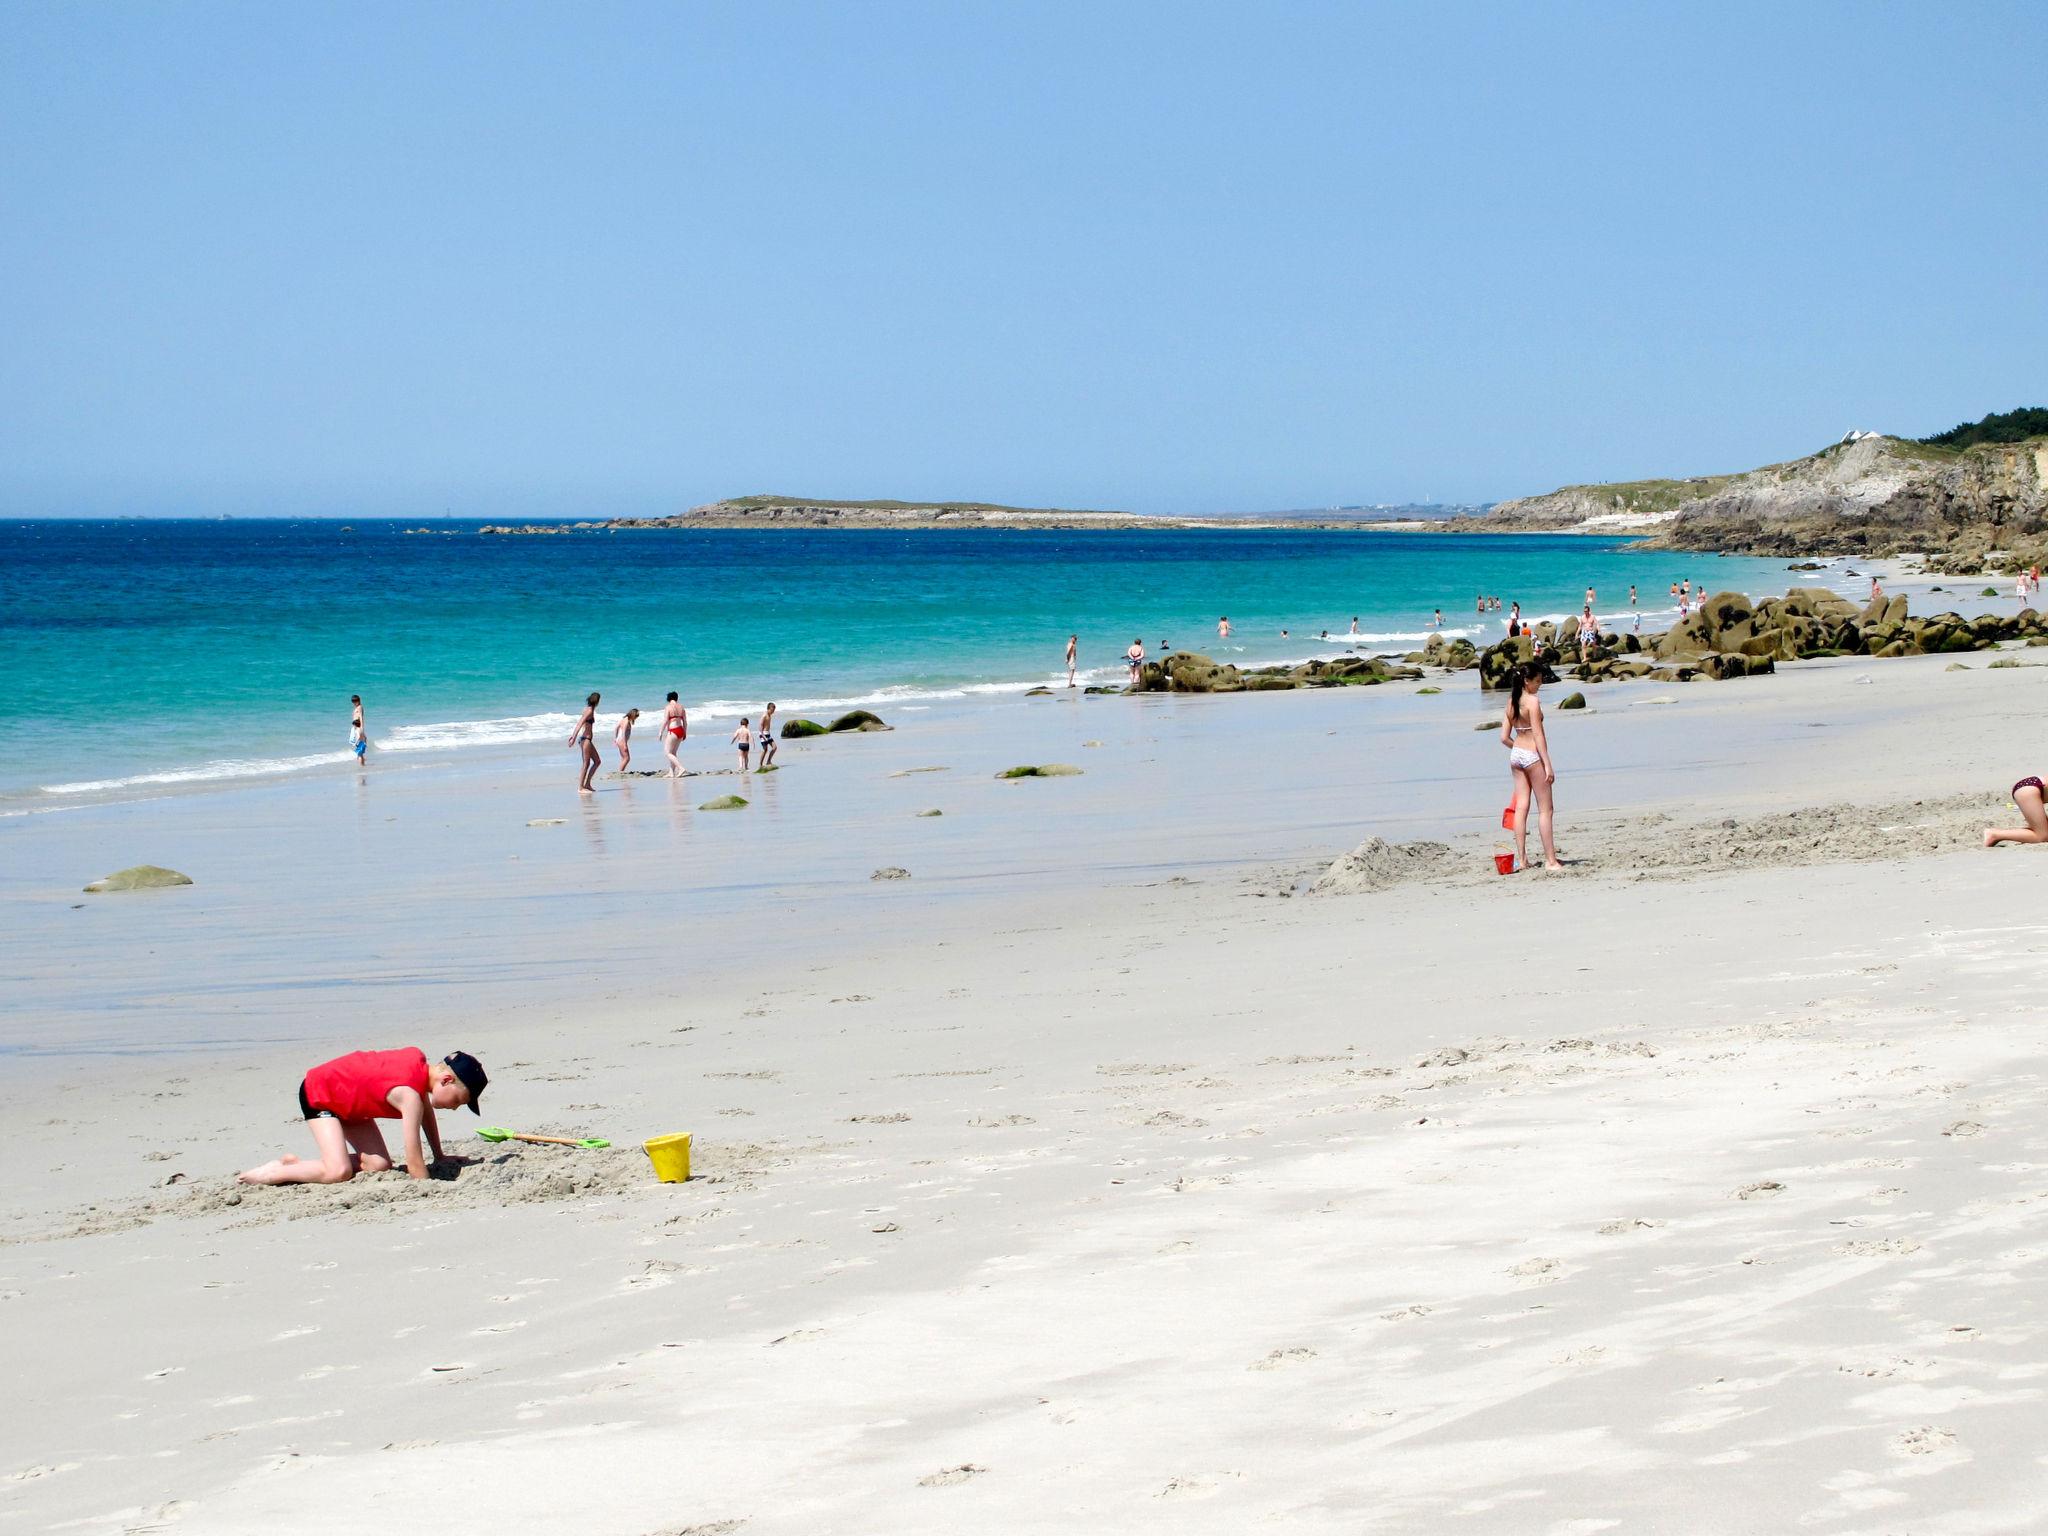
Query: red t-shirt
[{"x": 358, "y": 1086}]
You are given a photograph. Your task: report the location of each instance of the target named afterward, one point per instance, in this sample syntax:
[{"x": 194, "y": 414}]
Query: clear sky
[{"x": 589, "y": 259}]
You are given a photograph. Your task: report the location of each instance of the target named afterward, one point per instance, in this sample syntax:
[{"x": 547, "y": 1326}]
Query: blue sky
[{"x": 505, "y": 259}]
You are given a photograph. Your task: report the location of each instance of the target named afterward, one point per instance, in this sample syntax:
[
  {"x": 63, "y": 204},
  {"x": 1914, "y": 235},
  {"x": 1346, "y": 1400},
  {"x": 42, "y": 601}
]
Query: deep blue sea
[{"x": 154, "y": 652}]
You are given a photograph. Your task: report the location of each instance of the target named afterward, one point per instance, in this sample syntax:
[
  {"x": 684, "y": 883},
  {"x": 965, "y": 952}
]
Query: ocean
[{"x": 146, "y": 655}]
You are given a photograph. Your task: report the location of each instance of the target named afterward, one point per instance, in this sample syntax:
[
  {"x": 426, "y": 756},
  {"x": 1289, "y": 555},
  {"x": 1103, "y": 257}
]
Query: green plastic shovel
[{"x": 493, "y": 1133}]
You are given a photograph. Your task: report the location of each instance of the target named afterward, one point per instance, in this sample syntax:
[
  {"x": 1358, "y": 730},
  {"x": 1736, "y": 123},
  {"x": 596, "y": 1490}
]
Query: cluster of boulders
[
  {"x": 852, "y": 720},
  {"x": 1190, "y": 672},
  {"x": 1730, "y": 636}
]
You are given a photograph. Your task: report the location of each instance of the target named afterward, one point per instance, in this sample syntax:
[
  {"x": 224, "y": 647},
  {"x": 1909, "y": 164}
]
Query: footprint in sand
[
  {"x": 1927, "y": 1440},
  {"x": 1763, "y": 1189},
  {"x": 1964, "y": 1128},
  {"x": 1889, "y": 1247},
  {"x": 1197, "y": 1487},
  {"x": 1627, "y": 1225},
  {"x": 893, "y": 1119},
  {"x": 1281, "y": 1359},
  {"x": 950, "y": 1475},
  {"x": 1539, "y": 1271},
  {"x": 714, "y": 1528}
]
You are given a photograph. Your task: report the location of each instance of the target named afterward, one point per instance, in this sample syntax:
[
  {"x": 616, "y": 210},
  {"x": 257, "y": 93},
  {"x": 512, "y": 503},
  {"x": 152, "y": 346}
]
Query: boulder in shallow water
[
  {"x": 801, "y": 728},
  {"x": 1378, "y": 865},
  {"x": 1037, "y": 693},
  {"x": 141, "y": 877},
  {"x": 931, "y": 813},
  {"x": 1040, "y": 771},
  {"x": 1572, "y": 701},
  {"x": 859, "y": 720},
  {"x": 892, "y": 872},
  {"x": 724, "y": 803}
]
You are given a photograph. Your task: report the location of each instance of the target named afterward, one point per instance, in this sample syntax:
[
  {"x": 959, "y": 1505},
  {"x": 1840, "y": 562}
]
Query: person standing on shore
[
  {"x": 585, "y": 736},
  {"x": 675, "y": 729},
  {"x": 1134, "y": 658},
  {"x": 767, "y": 738},
  {"x": 1073, "y": 650},
  {"x": 358, "y": 743},
  {"x": 743, "y": 738},
  {"x": 622, "y": 738},
  {"x": 1521, "y": 732}
]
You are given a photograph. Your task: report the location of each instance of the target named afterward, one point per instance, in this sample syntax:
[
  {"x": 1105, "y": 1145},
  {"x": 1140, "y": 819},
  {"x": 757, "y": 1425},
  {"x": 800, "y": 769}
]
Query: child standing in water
[
  {"x": 767, "y": 738},
  {"x": 585, "y": 736},
  {"x": 743, "y": 738},
  {"x": 675, "y": 727},
  {"x": 622, "y": 738},
  {"x": 358, "y": 743}
]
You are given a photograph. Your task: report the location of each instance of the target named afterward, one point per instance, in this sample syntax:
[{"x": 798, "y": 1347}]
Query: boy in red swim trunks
[{"x": 342, "y": 1100}]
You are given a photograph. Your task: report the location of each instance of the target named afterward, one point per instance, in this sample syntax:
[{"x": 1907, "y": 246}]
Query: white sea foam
[{"x": 223, "y": 768}]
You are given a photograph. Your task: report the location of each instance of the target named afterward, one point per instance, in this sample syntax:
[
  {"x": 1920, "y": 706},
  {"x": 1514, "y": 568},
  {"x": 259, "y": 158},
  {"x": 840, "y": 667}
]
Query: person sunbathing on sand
[
  {"x": 342, "y": 1100},
  {"x": 2027, "y": 795},
  {"x": 1529, "y": 762}
]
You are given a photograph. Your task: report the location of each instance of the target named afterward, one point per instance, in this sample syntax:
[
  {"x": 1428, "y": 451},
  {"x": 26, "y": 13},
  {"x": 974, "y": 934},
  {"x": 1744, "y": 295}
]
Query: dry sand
[{"x": 1701, "y": 1188}]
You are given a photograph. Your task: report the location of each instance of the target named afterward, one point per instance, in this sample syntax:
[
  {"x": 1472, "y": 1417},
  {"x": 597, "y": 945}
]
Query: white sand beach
[{"x": 1095, "y": 1177}]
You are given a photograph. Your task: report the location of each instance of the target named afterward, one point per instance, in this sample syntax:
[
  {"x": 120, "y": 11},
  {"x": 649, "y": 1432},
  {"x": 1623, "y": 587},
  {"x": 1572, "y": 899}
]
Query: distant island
[{"x": 806, "y": 512}]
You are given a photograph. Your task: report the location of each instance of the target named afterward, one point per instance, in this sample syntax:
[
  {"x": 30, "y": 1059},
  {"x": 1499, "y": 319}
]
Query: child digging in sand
[{"x": 342, "y": 1100}]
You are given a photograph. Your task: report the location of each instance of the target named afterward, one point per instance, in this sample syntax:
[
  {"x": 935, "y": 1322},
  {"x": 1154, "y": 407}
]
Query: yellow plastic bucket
[{"x": 670, "y": 1156}]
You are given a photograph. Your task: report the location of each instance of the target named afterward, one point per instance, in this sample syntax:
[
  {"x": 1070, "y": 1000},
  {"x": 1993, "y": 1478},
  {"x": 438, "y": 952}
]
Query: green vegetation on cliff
[{"x": 1999, "y": 427}]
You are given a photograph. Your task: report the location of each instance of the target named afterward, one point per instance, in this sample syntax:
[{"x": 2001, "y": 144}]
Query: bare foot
[
  {"x": 1555, "y": 866},
  {"x": 1990, "y": 838}
]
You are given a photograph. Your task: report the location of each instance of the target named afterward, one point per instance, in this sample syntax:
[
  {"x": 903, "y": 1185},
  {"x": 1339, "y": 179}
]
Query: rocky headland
[
  {"x": 1966, "y": 500},
  {"x": 801, "y": 512}
]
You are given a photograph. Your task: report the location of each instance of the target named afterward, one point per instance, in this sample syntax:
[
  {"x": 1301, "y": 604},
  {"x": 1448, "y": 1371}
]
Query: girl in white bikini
[
  {"x": 1521, "y": 732},
  {"x": 675, "y": 726},
  {"x": 622, "y": 738}
]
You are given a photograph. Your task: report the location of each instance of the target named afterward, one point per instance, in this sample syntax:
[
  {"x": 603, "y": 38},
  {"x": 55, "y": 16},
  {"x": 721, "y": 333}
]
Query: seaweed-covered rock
[
  {"x": 1040, "y": 771},
  {"x": 724, "y": 803},
  {"x": 859, "y": 720},
  {"x": 891, "y": 872},
  {"x": 1572, "y": 701},
  {"x": 139, "y": 877},
  {"x": 800, "y": 728}
]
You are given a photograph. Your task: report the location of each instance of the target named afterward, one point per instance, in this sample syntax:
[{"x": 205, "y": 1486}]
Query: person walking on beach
[
  {"x": 675, "y": 729},
  {"x": 358, "y": 743},
  {"x": 1073, "y": 647},
  {"x": 766, "y": 734},
  {"x": 342, "y": 1100},
  {"x": 1589, "y": 633},
  {"x": 2027, "y": 795},
  {"x": 622, "y": 738},
  {"x": 1134, "y": 658},
  {"x": 585, "y": 736},
  {"x": 1521, "y": 732},
  {"x": 743, "y": 738}
]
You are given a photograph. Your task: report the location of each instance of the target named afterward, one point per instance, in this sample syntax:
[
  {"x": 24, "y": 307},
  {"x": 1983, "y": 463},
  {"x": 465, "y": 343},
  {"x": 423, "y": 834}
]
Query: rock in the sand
[
  {"x": 1572, "y": 701},
  {"x": 1487, "y": 725},
  {"x": 2001, "y": 663},
  {"x": 1377, "y": 865},
  {"x": 1040, "y": 771},
  {"x": 1421, "y": 691},
  {"x": 892, "y": 872},
  {"x": 931, "y": 813},
  {"x": 1987, "y": 592},
  {"x": 724, "y": 803},
  {"x": 548, "y": 821},
  {"x": 801, "y": 728},
  {"x": 1957, "y": 666},
  {"x": 1037, "y": 693},
  {"x": 142, "y": 877},
  {"x": 859, "y": 720}
]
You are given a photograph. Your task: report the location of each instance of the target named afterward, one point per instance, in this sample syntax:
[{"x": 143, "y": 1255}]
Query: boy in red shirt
[{"x": 342, "y": 1100}]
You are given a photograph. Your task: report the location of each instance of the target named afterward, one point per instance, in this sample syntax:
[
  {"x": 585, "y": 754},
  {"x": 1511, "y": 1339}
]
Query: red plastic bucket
[
  {"x": 1507, "y": 819},
  {"x": 1504, "y": 862}
]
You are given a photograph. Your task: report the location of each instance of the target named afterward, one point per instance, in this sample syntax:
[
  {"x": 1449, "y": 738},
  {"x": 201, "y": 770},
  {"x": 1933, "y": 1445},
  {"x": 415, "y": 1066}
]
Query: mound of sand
[
  {"x": 1829, "y": 834},
  {"x": 1378, "y": 865}
]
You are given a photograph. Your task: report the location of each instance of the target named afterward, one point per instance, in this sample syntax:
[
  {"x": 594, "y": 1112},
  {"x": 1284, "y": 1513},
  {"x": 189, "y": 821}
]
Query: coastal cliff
[{"x": 1981, "y": 505}]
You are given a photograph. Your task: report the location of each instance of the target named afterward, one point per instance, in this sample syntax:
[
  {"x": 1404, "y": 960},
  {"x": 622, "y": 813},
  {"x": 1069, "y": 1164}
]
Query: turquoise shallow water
[{"x": 145, "y": 654}]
